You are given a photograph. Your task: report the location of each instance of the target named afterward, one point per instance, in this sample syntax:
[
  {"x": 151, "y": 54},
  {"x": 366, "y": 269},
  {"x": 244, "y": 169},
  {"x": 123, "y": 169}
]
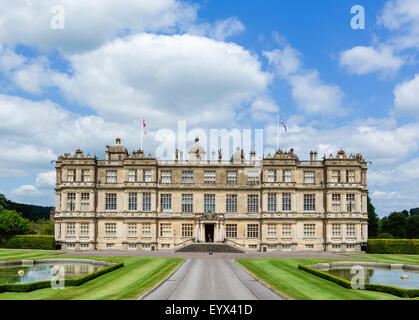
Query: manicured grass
[
  {"x": 138, "y": 275},
  {"x": 283, "y": 275}
]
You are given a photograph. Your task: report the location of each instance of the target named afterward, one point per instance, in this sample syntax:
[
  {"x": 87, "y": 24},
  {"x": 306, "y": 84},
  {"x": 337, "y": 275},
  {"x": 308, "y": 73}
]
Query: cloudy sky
[{"x": 214, "y": 64}]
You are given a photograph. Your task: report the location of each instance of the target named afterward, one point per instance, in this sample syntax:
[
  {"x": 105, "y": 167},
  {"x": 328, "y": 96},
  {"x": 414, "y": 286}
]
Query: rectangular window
[
  {"x": 85, "y": 175},
  {"x": 146, "y": 230},
  {"x": 110, "y": 201},
  {"x": 231, "y": 230},
  {"x": 350, "y": 202},
  {"x": 187, "y": 202},
  {"x": 84, "y": 245},
  {"x": 165, "y": 245},
  {"x": 350, "y": 230},
  {"x": 165, "y": 230},
  {"x": 71, "y": 175},
  {"x": 271, "y": 175},
  {"x": 146, "y": 201},
  {"x": 146, "y": 246},
  {"x": 132, "y": 175},
  {"x": 132, "y": 246},
  {"x": 286, "y": 247},
  {"x": 252, "y": 177},
  {"x": 110, "y": 229},
  {"x": 166, "y": 202},
  {"x": 350, "y": 247},
  {"x": 110, "y": 245},
  {"x": 187, "y": 176},
  {"x": 271, "y": 231},
  {"x": 132, "y": 201},
  {"x": 286, "y": 175},
  {"x": 209, "y": 202},
  {"x": 350, "y": 176},
  {"x": 132, "y": 229},
  {"x": 271, "y": 247},
  {"x": 286, "y": 231},
  {"x": 85, "y": 202},
  {"x": 209, "y": 177},
  {"x": 309, "y": 230},
  {"x": 60, "y": 201},
  {"x": 252, "y": 203},
  {"x": 147, "y": 175},
  {"x": 309, "y": 202},
  {"x": 272, "y": 202},
  {"x": 71, "y": 229},
  {"x": 111, "y": 176},
  {"x": 253, "y": 231},
  {"x": 336, "y": 207},
  {"x": 70, "y": 245},
  {"x": 231, "y": 177},
  {"x": 84, "y": 229},
  {"x": 231, "y": 203},
  {"x": 187, "y": 230},
  {"x": 286, "y": 202},
  {"x": 336, "y": 246},
  {"x": 336, "y": 176},
  {"x": 309, "y": 246},
  {"x": 166, "y": 177},
  {"x": 71, "y": 201},
  {"x": 308, "y": 176},
  {"x": 336, "y": 230}
]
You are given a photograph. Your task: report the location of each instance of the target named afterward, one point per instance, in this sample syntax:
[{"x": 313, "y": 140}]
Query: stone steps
[{"x": 205, "y": 247}]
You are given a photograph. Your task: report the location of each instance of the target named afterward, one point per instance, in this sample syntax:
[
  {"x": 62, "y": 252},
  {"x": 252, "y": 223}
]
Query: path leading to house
[{"x": 211, "y": 279}]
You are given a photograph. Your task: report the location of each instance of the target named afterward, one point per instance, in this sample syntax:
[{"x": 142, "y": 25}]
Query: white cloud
[
  {"x": 262, "y": 108},
  {"x": 166, "y": 78},
  {"x": 45, "y": 179},
  {"x": 309, "y": 92},
  {"x": 313, "y": 96},
  {"x": 402, "y": 18},
  {"x": 386, "y": 195},
  {"x": 363, "y": 60},
  {"x": 219, "y": 30},
  {"x": 406, "y": 96},
  {"x": 24, "y": 190},
  {"x": 9, "y": 60},
  {"x": 285, "y": 61},
  {"x": 88, "y": 24}
]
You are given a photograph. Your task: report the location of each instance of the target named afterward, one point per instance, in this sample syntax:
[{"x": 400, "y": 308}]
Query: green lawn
[
  {"x": 137, "y": 276},
  {"x": 283, "y": 275}
]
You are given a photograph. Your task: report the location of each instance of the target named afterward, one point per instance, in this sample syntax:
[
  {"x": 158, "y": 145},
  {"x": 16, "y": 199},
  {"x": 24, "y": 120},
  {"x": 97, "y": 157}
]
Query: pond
[
  {"x": 25, "y": 273},
  {"x": 379, "y": 275}
]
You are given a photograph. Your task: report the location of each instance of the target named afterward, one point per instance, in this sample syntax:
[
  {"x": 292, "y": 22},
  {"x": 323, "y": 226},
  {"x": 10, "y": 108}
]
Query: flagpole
[
  {"x": 142, "y": 134},
  {"x": 277, "y": 134}
]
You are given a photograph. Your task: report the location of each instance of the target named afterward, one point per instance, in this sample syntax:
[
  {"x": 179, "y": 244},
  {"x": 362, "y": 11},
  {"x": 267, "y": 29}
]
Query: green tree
[
  {"x": 11, "y": 223},
  {"x": 414, "y": 212},
  {"x": 413, "y": 227},
  {"x": 395, "y": 224},
  {"x": 373, "y": 220}
]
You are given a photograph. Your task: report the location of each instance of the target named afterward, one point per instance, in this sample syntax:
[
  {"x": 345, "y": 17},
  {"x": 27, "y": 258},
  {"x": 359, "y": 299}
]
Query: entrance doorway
[{"x": 209, "y": 232}]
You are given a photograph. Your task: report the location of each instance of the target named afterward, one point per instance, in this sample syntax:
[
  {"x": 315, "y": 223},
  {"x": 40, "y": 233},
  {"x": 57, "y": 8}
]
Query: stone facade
[{"x": 136, "y": 202}]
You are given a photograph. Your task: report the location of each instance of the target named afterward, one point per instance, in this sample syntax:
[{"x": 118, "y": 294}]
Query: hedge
[
  {"x": 27, "y": 287},
  {"x": 399, "y": 246},
  {"x": 28, "y": 242},
  {"x": 400, "y": 292}
]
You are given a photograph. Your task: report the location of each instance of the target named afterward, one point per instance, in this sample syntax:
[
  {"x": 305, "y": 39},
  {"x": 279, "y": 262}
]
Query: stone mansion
[{"x": 136, "y": 202}]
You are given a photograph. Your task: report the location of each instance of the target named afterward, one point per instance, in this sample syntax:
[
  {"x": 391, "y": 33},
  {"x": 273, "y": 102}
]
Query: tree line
[
  {"x": 33, "y": 220},
  {"x": 397, "y": 225}
]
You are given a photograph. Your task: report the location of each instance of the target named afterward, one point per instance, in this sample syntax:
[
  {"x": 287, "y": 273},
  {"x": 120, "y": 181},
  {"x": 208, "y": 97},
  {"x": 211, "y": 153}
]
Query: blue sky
[{"x": 214, "y": 64}]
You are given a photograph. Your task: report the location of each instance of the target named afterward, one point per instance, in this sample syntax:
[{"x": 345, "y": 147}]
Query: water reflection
[
  {"x": 377, "y": 275},
  {"x": 45, "y": 271}
]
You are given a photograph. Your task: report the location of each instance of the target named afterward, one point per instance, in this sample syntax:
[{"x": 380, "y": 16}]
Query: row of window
[
  {"x": 209, "y": 202},
  {"x": 209, "y": 176},
  {"x": 309, "y": 230}
]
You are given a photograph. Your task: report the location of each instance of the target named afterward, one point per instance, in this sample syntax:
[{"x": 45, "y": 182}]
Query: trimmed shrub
[
  {"x": 400, "y": 292},
  {"x": 27, "y": 287},
  {"x": 28, "y": 242},
  {"x": 398, "y": 246},
  {"x": 385, "y": 235}
]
